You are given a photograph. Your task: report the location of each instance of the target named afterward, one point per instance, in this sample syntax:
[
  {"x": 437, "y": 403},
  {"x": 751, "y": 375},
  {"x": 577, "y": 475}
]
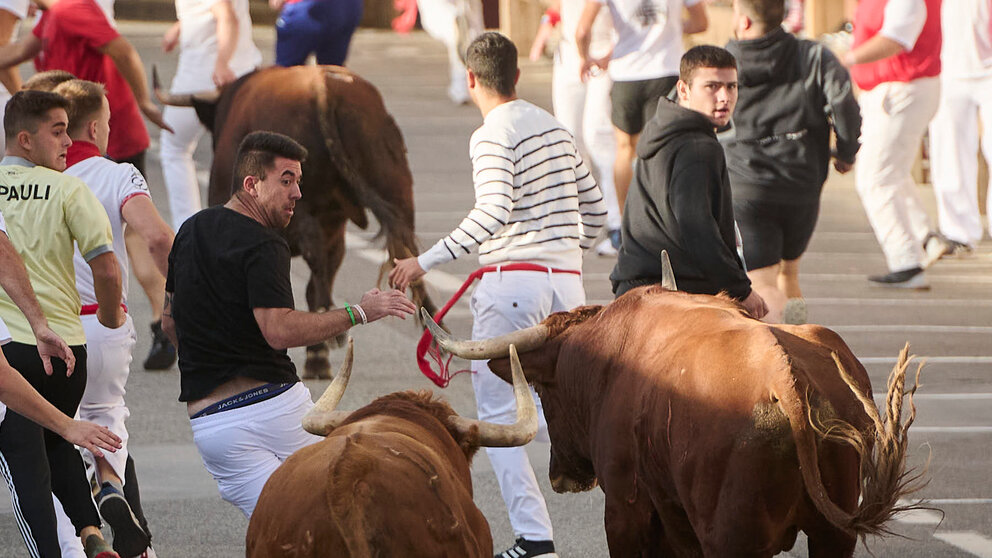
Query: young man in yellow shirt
[{"x": 46, "y": 213}]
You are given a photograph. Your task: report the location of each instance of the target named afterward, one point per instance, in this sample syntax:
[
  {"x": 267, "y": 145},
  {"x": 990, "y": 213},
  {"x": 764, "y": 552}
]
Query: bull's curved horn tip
[{"x": 436, "y": 330}]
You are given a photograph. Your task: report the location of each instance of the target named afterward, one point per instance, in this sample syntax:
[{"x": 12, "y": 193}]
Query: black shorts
[
  {"x": 774, "y": 231},
  {"x": 634, "y": 102}
]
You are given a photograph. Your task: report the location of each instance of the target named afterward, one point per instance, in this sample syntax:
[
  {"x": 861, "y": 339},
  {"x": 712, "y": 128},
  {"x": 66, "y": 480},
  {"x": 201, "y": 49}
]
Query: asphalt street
[{"x": 951, "y": 325}]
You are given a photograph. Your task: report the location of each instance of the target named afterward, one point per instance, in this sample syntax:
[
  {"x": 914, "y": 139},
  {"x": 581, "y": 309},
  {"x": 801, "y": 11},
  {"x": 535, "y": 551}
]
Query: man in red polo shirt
[
  {"x": 895, "y": 61},
  {"x": 77, "y": 36}
]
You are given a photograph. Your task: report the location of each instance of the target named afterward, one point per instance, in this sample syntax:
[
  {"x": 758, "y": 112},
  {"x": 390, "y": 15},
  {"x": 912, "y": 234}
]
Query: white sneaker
[
  {"x": 794, "y": 312},
  {"x": 606, "y": 249}
]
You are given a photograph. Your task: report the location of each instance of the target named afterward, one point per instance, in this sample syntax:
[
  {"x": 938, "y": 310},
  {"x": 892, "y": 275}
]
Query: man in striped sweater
[{"x": 536, "y": 208}]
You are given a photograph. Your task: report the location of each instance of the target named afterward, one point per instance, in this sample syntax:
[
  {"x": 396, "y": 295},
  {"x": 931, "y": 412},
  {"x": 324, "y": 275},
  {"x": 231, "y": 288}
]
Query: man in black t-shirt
[{"x": 229, "y": 309}]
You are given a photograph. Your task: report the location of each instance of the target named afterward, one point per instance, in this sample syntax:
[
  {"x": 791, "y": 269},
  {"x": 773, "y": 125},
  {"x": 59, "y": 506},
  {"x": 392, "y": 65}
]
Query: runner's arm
[
  {"x": 10, "y": 77},
  {"x": 23, "y": 50},
  {"x": 697, "y": 22},
  {"x": 139, "y": 212},
  {"x": 128, "y": 63},
  {"x": 227, "y": 41},
  {"x": 107, "y": 284}
]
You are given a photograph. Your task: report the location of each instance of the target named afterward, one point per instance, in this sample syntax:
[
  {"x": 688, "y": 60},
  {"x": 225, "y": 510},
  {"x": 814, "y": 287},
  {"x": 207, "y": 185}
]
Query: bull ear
[
  {"x": 667, "y": 275},
  {"x": 538, "y": 364}
]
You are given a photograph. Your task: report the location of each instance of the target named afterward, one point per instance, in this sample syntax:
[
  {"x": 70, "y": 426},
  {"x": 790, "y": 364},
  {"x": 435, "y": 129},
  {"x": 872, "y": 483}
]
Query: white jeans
[
  {"x": 894, "y": 117},
  {"x": 505, "y": 302},
  {"x": 242, "y": 447},
  {"x": 440, "y": 19},
  {"x": 178, "y": 168},
  {"x": 584, "y": 109},
  {"x": 108, "y": 364},
  {"x": 953, "y": 161}
]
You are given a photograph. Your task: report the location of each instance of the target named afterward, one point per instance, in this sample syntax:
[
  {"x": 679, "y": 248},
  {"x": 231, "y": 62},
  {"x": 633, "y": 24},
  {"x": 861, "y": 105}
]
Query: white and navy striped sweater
[{"x": 535, "y": 200}]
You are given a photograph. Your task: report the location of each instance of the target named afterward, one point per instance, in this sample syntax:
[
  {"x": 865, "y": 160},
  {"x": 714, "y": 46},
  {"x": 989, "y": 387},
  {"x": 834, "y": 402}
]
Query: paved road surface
[{"x": 951, "y": 324}]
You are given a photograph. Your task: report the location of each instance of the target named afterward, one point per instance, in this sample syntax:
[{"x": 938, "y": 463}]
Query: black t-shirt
[{"x": 223, "y": 265}]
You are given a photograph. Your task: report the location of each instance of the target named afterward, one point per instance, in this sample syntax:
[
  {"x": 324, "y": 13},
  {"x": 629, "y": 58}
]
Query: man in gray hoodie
[{"x": 680, "y": 198}]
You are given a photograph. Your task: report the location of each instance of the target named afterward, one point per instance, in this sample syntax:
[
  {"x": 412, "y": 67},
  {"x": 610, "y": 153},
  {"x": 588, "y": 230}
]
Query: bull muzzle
[
  {"x": 323, "y": 418},
  {"x": 503, "y": 435},
  {"x": 184, "y": 100},
  {"x": 484, "y": 349}
]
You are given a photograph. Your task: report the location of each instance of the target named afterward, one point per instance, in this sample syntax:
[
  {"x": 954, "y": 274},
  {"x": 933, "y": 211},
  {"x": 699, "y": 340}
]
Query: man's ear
[
  {"x": 248, "y": 185},
  {"x": 470, "y": 77},
  {"x": 91, "y": 130},
  {"x": 683, "y": 90},
  {"x": 24, "y": 140},
  {"x": 516, "y": 78}
]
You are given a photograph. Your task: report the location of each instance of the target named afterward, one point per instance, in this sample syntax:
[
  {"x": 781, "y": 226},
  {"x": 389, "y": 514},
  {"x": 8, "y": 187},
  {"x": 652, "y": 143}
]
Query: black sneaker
[
  {"x": 907, "y": 279},
  {"x": 162, "y": 354},
  {"x": 526, "y": 549},
  {"x": 130, "y": 539}
]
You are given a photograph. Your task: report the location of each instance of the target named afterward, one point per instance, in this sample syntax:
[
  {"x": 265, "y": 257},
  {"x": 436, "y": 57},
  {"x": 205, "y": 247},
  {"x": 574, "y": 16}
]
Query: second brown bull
[
  {"x": 390, "y": 480},
  {"x": 711, "y": 433},
  {"x": 357, "y": 162}
]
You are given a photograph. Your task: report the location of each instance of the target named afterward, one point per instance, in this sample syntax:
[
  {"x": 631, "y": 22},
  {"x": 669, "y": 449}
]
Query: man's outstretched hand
[
  {"x": 406, "y": 271},
  {"x": 379, "y": 304},
  {"x": 755, "y": 305},
  {"x": 91, "y": 436}
]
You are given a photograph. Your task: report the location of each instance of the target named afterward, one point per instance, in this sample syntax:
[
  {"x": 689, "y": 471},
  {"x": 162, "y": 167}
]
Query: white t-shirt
[
  {"x": 966, "y": 50},
  {"x": 113, "y": 184},
  {"x": 198, "y": 43},
  {"x": 4, "y": 332},
  {"x": 649, "y": 38},
  {"x": 602, "y": 35}
]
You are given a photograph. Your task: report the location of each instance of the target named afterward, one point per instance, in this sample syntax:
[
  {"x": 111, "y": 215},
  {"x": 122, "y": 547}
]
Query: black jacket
[
  {"x": 791, "y": 92},
  {"x": 680, "y": 201}
]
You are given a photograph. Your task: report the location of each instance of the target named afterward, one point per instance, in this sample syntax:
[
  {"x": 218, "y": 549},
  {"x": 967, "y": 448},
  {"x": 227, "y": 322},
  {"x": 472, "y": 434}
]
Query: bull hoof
[{"x": 317, "y": 368}]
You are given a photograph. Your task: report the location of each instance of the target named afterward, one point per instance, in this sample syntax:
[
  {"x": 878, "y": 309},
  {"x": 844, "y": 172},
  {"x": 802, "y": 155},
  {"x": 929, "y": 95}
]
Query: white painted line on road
[
  {"x": 942, "y": 302},
  {"x": 932, "y": 360},
  {"x": 890, "y": 328},
  {"x": 945, "y": 396},
  {"x": 968, "y": 541},
  {"x": 919, "y": 517},
  {"x": 952, "y": 429},
  {"x": 959, "y": 501},
  {"x": 438, "y": 279}
]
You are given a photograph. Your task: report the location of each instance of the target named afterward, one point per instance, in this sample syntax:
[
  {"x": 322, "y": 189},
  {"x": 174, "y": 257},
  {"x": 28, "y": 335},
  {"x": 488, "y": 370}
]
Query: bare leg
[
  {"x": 623, "y": 171},
  {"x": 765, "y": 282},
  {"x": 788, "y": 278}
]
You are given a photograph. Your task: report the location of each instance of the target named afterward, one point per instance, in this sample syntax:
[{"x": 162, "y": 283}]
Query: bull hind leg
[{"x": 324, "y": 263}]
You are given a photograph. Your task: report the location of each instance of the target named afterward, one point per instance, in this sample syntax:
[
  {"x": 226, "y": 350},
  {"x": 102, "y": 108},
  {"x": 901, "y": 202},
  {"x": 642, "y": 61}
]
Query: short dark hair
[
  {"x": 257, "y": 153},
  {"x": 27, "y": 109},
  {"x": 46, "y": 81},
  {"x": 705, "y": 56},
  {"x": 493, "y": 59},
  {"x": 769, "y": 13},
  {"x": 85, "y": 101}
]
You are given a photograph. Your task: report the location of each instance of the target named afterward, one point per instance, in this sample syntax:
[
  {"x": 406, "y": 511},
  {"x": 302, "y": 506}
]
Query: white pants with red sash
[{"x": 503, "y": 302}]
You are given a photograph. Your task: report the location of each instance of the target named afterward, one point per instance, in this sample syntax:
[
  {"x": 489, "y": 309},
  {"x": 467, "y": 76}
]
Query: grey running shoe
[
  {"x": 130, "y": 539},
  {"x": 907, "y": 279},
  {"x": 794, "y": 312}
]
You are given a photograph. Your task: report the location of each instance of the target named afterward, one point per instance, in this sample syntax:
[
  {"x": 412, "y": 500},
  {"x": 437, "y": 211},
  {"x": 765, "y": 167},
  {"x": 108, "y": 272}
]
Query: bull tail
[
  {"x": 395, "y": 217},
  {"x": 883, "y": 478}
]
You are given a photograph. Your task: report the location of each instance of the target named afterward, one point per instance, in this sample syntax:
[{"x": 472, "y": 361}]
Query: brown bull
[
  {"x": 391, "y": 480},
  {"x": 357, "y": 161},
  {"x": 711, "y": 433}
]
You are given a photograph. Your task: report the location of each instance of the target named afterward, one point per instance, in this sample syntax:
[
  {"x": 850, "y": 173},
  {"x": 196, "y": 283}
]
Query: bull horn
[
  {"x": 503, "y": 435},
  {"x": 184, "y": 100},
  {"x": 497, "y": 347},
  {"x": 323, "y": 418},
  {"x": 667, "y": 275}
]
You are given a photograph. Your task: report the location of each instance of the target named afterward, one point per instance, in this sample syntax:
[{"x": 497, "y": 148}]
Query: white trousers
[
  {"x": 953, "y": 160},
  {"x": 108, "y": 364},
  {"x": 894, "y": 118},
  {"x": 242, "y": 447},
  {"x": 440, "y": 19},
  {"x": 584, "y": 109},
  {"x": 505, "y": 302},
  {"x": 178, "y": 168}
]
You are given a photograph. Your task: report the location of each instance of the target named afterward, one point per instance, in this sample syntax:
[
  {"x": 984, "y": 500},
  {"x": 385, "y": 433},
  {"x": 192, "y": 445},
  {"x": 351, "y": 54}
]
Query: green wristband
[{"x": 350, "y": 313}]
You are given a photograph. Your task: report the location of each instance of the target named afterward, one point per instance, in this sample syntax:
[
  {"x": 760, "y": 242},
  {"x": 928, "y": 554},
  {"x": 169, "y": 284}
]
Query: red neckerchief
[{"x": 80, "y": 151}]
